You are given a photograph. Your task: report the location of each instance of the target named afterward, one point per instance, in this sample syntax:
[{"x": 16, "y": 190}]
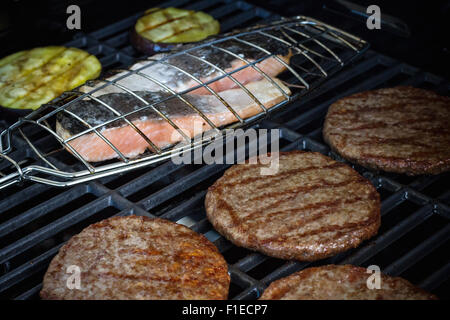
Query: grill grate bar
[
  {"x": 345, "y": 75},
  {"x": 147, "y": 178},
  {"x": 382, "y": 241},
  {"x": 286, "y": 269},
  {"x": 41, "y": 210},
  {"x": 365, "y": 85},
  {"x": 436, "y": 278},
  {"x": 19, "y": 197},
  {"x": 201, "y": 226},
  {"x": 426, "y": 247},
  {"x": 244, "y": 281},
  {"x": 250, "y": 261},
  {"x": 179, "y": 186},
  {"x": 51, "y": 229},
  {"x": 250, "y": 292},
  {"x": 21, "y": 273},
  {"x": 30, "y": 293},
  {"x": 177, "y": 212},
  {"x": 392, "y": 202}
]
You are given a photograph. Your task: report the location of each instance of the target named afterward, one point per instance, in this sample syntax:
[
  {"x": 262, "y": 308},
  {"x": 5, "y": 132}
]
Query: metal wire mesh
[{"x": 298, "y": 35}]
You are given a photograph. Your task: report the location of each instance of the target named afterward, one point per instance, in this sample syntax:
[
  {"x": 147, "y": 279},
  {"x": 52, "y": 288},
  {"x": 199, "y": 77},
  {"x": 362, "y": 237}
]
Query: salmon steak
[
  {"x": 156, "y": 79},
  {"x": 205, "y": 64},
  {"x": 130, "y": 143}
]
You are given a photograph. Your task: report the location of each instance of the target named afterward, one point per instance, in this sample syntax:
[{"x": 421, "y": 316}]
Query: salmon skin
[
  {"x": 130, "y": 143},
  {"x": 166, "y": 69}
]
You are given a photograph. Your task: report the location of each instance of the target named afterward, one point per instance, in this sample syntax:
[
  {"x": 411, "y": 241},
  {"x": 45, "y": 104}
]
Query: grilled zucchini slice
[
  {"x": 33, "y": 77},
  {"x": 162, "y": 29}
]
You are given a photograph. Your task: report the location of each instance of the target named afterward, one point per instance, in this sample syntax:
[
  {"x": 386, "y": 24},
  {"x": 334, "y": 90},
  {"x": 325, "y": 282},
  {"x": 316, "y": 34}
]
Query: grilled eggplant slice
[
  {"x": 33, "y": 77},
  {"x": 162, "y": 29}
]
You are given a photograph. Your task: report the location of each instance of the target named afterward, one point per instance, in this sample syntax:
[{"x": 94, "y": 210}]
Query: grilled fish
[
  {"x": 176, "y": 73},
  {"x": 172, "y": 72},
  {"x": 130, "y": 143}
]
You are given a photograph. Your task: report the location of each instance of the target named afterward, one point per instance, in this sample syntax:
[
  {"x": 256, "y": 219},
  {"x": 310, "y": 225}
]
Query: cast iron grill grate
[{"x": 413, "y": 242}]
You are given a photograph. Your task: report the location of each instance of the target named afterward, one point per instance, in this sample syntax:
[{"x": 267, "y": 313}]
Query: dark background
[{"x": 25, "y": 24}]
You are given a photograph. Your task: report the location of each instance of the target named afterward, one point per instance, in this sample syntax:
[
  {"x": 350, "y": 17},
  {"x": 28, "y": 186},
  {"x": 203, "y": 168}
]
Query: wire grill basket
[{"x": 34, "y": 150}]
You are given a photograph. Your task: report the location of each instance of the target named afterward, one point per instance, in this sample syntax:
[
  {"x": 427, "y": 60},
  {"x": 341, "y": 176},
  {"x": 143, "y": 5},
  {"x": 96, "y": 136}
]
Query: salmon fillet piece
[
  {"x": 170, "y": 69},
  {"x": 128, "y": 141},
  {"x": 271, "y": 66}
]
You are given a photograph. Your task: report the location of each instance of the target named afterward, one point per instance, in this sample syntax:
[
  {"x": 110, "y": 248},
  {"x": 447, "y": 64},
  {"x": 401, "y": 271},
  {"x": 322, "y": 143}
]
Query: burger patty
[
  {"x": 401, "y": 129},
  {"x": 137, "y": 257},
  {"x": 313, "y": 208},
  {"x": 341, "y": 282}
]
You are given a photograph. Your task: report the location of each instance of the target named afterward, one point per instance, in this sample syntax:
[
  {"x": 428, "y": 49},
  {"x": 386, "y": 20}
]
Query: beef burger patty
[
  {"x": 137, "y": 257},
  {"x": 341, "y": 282},
  {"x": 313, "y": 208},
  {"x": 401, "y": 129}
]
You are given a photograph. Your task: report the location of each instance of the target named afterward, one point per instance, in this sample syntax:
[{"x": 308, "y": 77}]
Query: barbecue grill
[{"x": 413, "y": 241}]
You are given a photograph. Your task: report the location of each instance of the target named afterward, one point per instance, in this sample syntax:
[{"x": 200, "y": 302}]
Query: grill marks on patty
[
  {"x": 138, "y": 258},
  {"x": 312, "y": 208},
  {"x": 341, "y": 282},
  {"x": 401, "y": 129}
]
